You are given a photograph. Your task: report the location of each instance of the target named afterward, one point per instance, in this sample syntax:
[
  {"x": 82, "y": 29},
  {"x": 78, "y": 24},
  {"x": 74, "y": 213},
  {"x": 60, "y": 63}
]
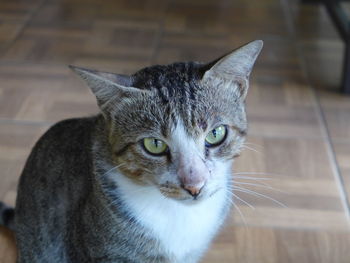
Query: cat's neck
[{"x": 181, "y": 229}]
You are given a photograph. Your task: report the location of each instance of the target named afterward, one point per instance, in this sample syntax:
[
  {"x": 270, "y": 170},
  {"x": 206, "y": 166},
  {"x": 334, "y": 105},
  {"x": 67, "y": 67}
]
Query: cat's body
[
  {"x": 78, "y": 209},
  {"x": 148, "y": 179}
]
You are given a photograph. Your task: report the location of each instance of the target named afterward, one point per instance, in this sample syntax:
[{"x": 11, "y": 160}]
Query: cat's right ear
[
  {"x": 106, "y": 86},
  {"x": 235, "y": 67}
]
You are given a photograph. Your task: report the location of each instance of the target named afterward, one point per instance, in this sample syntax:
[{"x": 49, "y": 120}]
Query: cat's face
[
  {"x": 177, "y": 127},
  {"x": 169, "y": 141}
]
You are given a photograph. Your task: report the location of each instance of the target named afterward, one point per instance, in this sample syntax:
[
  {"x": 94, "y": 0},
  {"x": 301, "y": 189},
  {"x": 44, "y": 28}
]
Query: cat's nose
[
  {"x": 193, "y": 174},
  {"x": 194, "y": 191}
]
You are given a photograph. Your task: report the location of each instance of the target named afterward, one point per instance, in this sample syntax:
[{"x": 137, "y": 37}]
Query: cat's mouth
[{"x": 180, "y": 194}]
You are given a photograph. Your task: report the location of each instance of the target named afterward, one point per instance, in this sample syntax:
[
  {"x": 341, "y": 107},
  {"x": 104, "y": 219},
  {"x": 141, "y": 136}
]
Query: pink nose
[
  {"x": 193, "y": 175},
  {"x": 194, "y": 191}
]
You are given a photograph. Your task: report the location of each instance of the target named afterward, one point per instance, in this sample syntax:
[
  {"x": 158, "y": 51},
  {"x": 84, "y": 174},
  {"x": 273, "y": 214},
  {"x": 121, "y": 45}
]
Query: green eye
[
  {"x": 216, "y": 136},
  {"x": 155, "y": 146}
]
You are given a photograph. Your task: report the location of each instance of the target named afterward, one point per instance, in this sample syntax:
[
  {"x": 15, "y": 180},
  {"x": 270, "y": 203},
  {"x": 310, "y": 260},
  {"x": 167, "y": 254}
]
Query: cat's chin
[
  {"x": 194, "y": 201},
  {"x": 190, "y": 200}
]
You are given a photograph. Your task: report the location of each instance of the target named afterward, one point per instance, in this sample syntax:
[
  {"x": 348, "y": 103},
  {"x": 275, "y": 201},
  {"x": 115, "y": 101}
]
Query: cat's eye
[
  {"x": 155, "y": 146},
  {"x": 216, "y": 136}
]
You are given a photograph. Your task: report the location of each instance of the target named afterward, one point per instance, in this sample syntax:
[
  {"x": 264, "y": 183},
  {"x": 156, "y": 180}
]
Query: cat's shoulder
[
  {"x": 72, "y": 133},
  {"x": 73, "y": 124}
]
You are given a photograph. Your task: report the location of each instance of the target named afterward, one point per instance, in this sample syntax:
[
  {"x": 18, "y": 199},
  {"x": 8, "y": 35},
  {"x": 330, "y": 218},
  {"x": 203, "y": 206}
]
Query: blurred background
[{"x": 298, "y": 150}]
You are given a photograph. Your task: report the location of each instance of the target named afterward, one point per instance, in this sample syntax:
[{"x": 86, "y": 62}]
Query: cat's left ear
[
  {"x": 235, "y": 67},
  {"x": 106, "y": 85}
]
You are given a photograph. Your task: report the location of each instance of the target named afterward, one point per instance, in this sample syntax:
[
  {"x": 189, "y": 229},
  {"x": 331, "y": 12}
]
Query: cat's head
[{"x": 177, "y": 127}]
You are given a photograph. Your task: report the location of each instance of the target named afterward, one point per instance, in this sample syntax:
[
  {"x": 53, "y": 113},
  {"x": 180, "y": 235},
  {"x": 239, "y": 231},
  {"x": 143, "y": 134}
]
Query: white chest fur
[{"x": 182, "y": 230}]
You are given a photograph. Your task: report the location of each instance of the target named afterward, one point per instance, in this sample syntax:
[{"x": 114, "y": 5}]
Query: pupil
[
  {"x": 156, "y": 143},
  {"x": 214, "y": 133}
]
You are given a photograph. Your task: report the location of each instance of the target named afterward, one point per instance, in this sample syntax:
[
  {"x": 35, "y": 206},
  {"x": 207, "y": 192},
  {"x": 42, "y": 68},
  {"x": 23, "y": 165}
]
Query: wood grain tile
[
  {"x": 226, "y": 17},
  {"x": 8, "y": 252},
  {"x": 13, "y": 17},
  {"x": 80, "y": 11},
  {"x": 274, "y": 120},
  {"x": 48, "y": 43},
  {"x": 337, "y": 113},
  {"x": 16, "y": 141},
  {"x": 342, "y": 152},
  {"x": 122, "y": 38},
  {"x": 176, "y": 46},
  {"x": 43, "y": 93},
  {"x": 275, "y": 168},
  {"x": 250, "y": 245},
  {"x": 8, "y": 32}
]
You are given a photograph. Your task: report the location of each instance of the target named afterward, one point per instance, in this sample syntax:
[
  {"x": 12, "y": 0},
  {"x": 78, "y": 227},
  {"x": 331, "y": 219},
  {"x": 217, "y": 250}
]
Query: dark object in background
[{"x": 342, "y": 23}]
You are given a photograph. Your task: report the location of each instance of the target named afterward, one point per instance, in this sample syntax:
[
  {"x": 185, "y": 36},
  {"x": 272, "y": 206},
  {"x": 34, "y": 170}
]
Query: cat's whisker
[
  {"x": 262, "y": 182},
  {"x": 253, "y": 144},
  {"x": 114, "y": 168},
  {"x": 251, "y": 178},
  {"x": 254, "y": 173},
  {"x": 244, "y": 190},
  {"x": 239, "y": 211},
  {"x": 250, "y": 148},
  {"x": 243, "y": 201},
  {"x": 259, "y": 185},
  {"x": 248, "y": 177}
]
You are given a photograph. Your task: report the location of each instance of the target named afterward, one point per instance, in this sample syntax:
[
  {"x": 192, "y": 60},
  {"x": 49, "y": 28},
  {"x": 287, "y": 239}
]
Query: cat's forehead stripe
[
  {"x": 181, "y": 138},
  {"x": 177, "y": 77}
]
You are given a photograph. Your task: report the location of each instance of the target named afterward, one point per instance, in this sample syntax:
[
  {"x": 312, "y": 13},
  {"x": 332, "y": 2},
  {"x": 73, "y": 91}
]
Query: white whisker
[
  {"x": 240, "y": 213},
  {"x": 243, "y": 201},
  {"x": 255, "y": 173},
  {"x": 114, "y": 168},
  {"x": 244, "y": 190},
  {"x": 253, "y": 144},
  {"x": 251, "y": 178},
  {"x": 250, "y": 148},
  {"x": 259, "y": 185}
]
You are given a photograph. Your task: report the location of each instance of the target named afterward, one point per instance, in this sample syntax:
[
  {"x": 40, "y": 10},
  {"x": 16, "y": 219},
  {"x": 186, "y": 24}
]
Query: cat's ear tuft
[
  {"x": 105, "y": 85},
  {"x": 236, "y": 65}
]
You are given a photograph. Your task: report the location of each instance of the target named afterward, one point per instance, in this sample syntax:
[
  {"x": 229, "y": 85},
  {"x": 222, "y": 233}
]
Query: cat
[{"x": 148, "y": 178}]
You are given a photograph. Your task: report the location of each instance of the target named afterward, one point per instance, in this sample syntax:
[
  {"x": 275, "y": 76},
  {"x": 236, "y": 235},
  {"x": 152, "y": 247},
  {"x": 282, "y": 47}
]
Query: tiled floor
[{"x": 299, "y": 125}]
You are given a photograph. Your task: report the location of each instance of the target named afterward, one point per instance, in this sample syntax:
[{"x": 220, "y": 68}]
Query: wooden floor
[{"x": 299, "y": 124}]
